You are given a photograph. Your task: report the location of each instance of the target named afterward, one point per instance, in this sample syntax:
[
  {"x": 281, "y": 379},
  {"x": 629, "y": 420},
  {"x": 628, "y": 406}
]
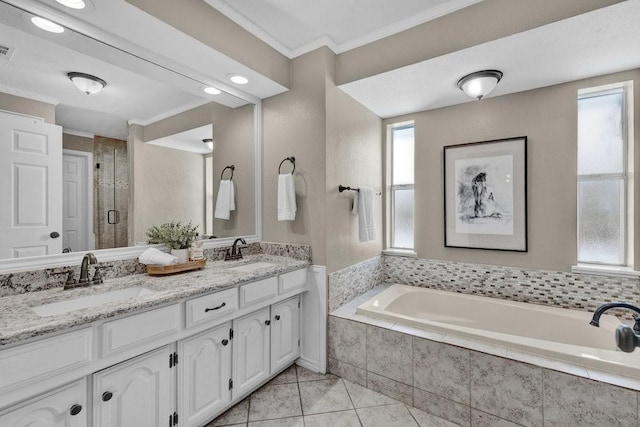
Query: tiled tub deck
[{"x": 471, "y": 383}]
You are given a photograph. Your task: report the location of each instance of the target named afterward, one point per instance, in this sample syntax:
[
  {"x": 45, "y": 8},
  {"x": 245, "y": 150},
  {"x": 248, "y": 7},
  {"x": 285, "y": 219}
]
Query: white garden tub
[{"x": 551, "y": 332}]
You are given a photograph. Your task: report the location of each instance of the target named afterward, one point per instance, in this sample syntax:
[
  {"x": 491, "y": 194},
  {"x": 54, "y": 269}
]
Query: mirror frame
[{"x": 15, "y": 265}]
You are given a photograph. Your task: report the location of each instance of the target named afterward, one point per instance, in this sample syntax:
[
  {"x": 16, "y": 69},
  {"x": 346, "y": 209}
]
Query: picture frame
[{"x": 485, "y": 195}]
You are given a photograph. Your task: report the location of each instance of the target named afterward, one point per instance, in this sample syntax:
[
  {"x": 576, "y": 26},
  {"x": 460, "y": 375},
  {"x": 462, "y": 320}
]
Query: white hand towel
[
  {"x": 366, "y": 225},
  {"x": 153, "y": 256},
  {"x": 226, "y": 200},
  {"x": 356, "y": 200},
  {"x": 286, "y": 197}
]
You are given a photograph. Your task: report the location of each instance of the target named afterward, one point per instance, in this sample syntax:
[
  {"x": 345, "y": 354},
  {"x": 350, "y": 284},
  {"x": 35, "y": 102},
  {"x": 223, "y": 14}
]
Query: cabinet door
[
  {"x": 64, "y": 407},
  {"x": 135, "y": 393},
  {"x": 204, "y": 374},
  {"x": 285, "y": 333},
  {"x": 251, "y": 351}
]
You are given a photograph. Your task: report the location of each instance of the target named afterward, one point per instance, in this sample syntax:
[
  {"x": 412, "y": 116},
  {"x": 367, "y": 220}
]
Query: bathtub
[{"x": 550, "y": 332}]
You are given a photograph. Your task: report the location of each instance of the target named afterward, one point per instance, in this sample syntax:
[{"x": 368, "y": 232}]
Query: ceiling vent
[{"x": 6, "y": 52}]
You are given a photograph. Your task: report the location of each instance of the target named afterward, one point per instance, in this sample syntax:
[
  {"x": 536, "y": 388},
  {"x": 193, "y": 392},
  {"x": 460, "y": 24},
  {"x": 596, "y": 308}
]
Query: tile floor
[{"x": 301, "y": 398}]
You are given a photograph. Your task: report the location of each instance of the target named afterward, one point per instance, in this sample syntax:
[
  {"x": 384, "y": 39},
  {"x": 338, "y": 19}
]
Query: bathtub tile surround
[
  {"x": 38, "y": 280},
  {"x": 470, "y": 387},
  {"x": 571, "y": 400},
  {"x": 442, "y": 369},
  {"x": 355, "y": 280},
  {"x": 387, "y": 354},
  {"x": 560, "y": 289},
  {"x": 506, "y": 388}
]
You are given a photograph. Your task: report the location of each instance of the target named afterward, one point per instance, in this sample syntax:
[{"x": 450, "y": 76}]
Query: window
[
  {"x": 603, "y": 176},
  {"x": 402, "y": 179}
]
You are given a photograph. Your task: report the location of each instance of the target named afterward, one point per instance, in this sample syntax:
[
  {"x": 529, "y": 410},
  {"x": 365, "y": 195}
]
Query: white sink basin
[
  {"x": 249, "y": 268},
  {"x": 62, "y": 307}
]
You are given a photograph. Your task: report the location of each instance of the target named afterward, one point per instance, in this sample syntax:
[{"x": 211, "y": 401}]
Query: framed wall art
[{"x": 485, "y": 195}]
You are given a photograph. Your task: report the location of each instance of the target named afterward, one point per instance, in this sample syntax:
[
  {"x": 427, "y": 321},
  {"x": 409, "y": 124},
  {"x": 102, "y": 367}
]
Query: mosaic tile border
[
  {"x": 353, "y": 281},
  {"x": 554, "y": 288}
]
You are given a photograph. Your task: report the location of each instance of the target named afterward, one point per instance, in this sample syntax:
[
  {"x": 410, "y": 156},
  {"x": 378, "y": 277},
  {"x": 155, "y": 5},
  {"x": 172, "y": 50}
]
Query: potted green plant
[{"x": 176, "y": 236}]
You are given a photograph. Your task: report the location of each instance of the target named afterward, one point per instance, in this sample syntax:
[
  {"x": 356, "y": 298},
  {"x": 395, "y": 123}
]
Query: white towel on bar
[
  {"x": 153, "y": 256},
  {"x": 356, "y": 200},
  {"x": 286, "y": 197},
  {"x": 366, "y": 225},
  {"x": 226, "y": 201}
]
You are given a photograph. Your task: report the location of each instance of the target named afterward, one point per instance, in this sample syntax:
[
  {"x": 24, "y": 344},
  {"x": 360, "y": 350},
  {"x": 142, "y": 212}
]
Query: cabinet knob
[
  {"x": 225, "y": 341},
  {"x": 75, "y": 409},
  {"x": 267, "y": 322},
  {"x": 54, "y": 234},
  {"x": 277, "y": 317},
  {"x": 106, "y": 396}
]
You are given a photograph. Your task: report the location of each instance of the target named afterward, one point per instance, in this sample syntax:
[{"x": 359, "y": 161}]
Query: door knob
[
  {"x": 75, "y": 409},
  {"x": 106, "y": 396},
  {"x": 54, "y": 234}
]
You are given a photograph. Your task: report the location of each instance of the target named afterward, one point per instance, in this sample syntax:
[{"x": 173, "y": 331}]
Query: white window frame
[
  {"x": 393, "y": 188},
  {"x": 624, "y": 269}
]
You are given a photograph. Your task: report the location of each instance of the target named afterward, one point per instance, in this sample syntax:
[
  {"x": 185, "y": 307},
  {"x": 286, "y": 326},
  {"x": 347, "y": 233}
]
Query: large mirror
[{"x": 94, "y": 171}]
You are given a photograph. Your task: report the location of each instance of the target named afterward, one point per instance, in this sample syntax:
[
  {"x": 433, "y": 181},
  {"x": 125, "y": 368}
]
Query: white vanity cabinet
[
  {"x": 251, "y": 350},
  {"x": 135, "y": 393},
  {"x": 204, "y": 375},
  {"x": 63, "y": 407},
  {"x": 285, "y": 333}
]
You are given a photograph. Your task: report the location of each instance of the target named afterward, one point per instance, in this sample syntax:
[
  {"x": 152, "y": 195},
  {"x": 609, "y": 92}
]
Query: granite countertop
[{"x": 18, "y": 322}]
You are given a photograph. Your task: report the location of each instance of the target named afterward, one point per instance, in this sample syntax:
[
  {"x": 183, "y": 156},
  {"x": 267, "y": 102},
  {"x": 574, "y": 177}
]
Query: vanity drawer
[
  {"x": 35, "y": 362},
  {"x": 256, "y": 292},
  {"x": 140, "y": 329},
  {"x": 210, "y": 307},
  {"x": 291, "y": 281}
]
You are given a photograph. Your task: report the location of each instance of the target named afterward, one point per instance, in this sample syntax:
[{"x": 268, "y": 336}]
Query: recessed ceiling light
[
  {"x": 212, "y": 90},
  {"x": 47, "y": 25},
  {"x": 73, "y": 4},
  {"x": 238, "y": 79}
]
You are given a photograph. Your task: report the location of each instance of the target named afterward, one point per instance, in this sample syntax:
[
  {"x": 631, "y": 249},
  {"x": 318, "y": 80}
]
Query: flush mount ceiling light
[
  {"x": 87, "y": 83},
  {"x": 212, "y": 90},
  {"x": 480, "y": 84},
  {"x": 209, "y": 143},
  {"x": 73, "y": 4},
  {"x": 238, "y": 79},
  {"x": 47, "y": 25}
]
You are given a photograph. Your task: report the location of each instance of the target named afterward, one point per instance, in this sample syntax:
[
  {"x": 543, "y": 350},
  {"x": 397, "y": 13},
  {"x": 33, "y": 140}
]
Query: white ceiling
[
  {"x": 604, "y": 41},
  {"x": 189, "y": 140},
  {"x": 294, "y": 27}
]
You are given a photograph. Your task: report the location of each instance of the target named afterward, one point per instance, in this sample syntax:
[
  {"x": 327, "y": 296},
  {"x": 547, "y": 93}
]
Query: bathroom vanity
[{"x": 178, "y": 354}]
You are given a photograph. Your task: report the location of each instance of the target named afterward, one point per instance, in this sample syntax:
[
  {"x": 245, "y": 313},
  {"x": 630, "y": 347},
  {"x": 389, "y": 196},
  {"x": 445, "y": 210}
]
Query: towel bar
[{"x": 342, "y": 188}]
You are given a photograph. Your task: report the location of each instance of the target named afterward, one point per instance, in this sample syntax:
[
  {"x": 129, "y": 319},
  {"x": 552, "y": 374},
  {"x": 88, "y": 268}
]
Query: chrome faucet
[
  {"x": 236, "y": 253},
  {"x": 89, "y": 258},
  {"x": 627, "y": 338}
]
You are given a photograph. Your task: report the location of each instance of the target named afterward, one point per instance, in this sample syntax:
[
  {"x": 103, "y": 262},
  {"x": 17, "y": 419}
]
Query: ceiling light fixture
[
  {"x": 480, "y": 84},
  {"x": 238, "y": 79},
  {"x": 212, "y": 90},
  {"x": 73, "y": 4},
  {"x": 209, "y": 143},
  {"x": 47, "y": 25},
  {"x": 86, "y": 82}
]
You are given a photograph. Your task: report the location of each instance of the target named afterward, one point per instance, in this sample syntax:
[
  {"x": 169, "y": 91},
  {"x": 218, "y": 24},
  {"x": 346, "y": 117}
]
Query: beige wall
[
  {"x": 166, "y": 185},
  {"x": 480, "y": 23},
  {"x": 548, "y": 116},
  {"x": 29, "y": 107},
  {"x": 294, "y": 125},
  {"x": 354, "y": 158},
  {"x": 75, "y": 142},
  {"x": 206, "y": 24}
]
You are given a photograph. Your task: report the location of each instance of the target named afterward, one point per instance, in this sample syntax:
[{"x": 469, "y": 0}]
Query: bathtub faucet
[{"x": 627, "y": 338}]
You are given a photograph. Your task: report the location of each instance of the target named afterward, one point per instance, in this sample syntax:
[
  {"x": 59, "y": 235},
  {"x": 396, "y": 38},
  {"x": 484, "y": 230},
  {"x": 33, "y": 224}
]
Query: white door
[
  {"x": 136, "y": 393},
  {"x": 204, "y": 376},
  {"x": 77, "y": 211},
  {"x": 285, "y": 333},
  {"x": 31, "y": 183},
  {"x": 251, "y": 351},
  {"x": 64, "y": 407}
]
